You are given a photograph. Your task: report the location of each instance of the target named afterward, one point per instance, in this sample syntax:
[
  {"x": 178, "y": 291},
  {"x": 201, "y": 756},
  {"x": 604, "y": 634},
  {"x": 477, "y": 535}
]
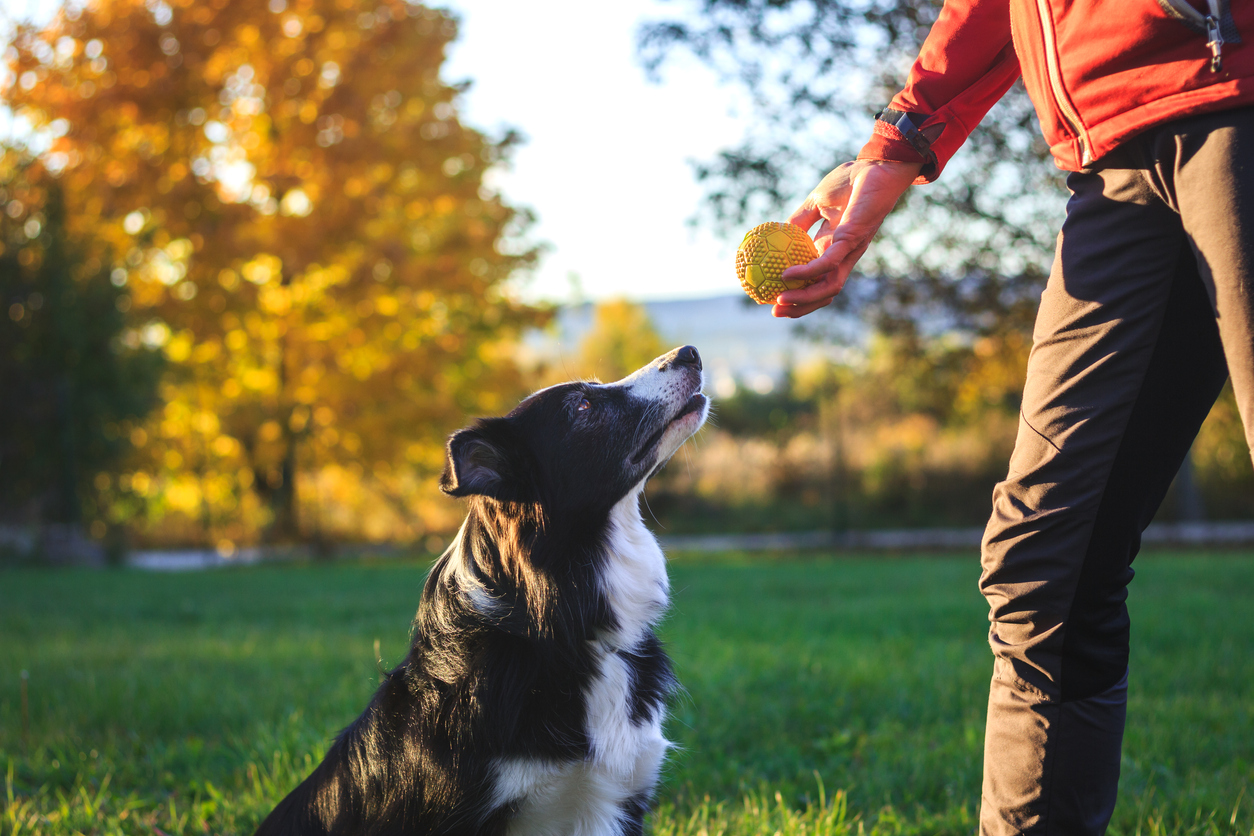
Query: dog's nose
[{"x": 687, "y": 356}]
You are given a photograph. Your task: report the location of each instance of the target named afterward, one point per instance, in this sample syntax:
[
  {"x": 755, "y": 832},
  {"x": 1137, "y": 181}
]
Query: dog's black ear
[{"x": 476, "y": 463}]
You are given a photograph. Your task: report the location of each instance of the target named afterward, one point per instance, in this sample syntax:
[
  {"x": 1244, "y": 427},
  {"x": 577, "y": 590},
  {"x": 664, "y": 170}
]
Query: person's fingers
[
  {"x": 825, "y": 288},
  {"x": 794, "y": 303},
  {"x": 827, "y": 201},
  {"x": 829, "y": 260},
  {"x": 806, "y": 215},
  {"x": 795, "y": 311}
]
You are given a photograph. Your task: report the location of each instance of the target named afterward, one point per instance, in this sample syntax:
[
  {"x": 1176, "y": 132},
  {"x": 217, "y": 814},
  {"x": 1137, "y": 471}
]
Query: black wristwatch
[{"x": 908, "y": 125}]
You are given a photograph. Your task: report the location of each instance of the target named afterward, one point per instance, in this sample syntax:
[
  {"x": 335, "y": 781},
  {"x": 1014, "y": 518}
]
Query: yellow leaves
[
  {"x": 320, "y": 331},
  {"x": 911, "y": 434},
  {"x": 155, "y": 334},
  {"x": 296, "y": 203},
  {"x": 262, "y": 269},
  {"x": 293, "y": 278},
  {"x": 355, "y": 186},
  {"x": 183, "y": 494},
  {"x": 206, "y": 423},
  {"x": 299, "y": 419},
  {"x": 622, "y": 339},
  {"x": 225, "y": 446},
  {"x": 140, "y": 482},
  {"x": 179, "y": 249},
  {"x": 994, "y": 373},
  {"x": 116, "y": 173},
  {"x": 206, "y": 352},
  {"x": 259, "y": 380},
  {"x": 381, "y": 172},
  {"x": 179, "y": 347},
  {"x": 489, "y": 402},
  {"x": 275, "y": 299},
  {"x": 320, "y": 278},
  {"x": 387, "y": 305},
  {"x": 247, "y": 35},
  {"x": 408, "y": 178}
]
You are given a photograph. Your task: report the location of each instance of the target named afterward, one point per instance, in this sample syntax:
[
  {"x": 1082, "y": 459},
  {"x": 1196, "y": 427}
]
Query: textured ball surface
[{"x": 767, "y": 250}]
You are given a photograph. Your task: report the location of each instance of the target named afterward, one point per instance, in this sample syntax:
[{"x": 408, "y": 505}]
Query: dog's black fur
[{"x": 515, "y": 625}]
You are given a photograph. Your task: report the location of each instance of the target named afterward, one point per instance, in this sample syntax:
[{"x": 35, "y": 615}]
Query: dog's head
[{"x": 582, "y": 445}]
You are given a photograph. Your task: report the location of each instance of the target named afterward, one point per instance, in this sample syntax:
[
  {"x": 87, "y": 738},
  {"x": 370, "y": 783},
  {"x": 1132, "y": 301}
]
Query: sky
[{"x": 606, "y": 165}]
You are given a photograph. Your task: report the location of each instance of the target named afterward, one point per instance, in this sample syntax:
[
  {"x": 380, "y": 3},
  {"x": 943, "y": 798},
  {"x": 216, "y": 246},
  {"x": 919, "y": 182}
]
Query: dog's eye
[{"x": 584, "y": 404}]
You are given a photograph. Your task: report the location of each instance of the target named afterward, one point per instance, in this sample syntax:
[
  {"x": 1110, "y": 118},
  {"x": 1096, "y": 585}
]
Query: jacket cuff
[
  {"x": 897, "y": 151},
  {"x": 888, "y": 144}
]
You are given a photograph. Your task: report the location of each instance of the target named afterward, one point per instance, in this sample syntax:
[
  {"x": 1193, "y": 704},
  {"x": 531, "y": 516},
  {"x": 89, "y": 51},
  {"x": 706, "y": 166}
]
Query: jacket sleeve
[{"x": 965, "y": 65}]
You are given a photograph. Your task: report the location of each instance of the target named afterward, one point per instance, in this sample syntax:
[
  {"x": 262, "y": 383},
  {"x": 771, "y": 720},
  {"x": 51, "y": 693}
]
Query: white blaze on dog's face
[
  {"x": 582, "y": 444},
  {"x": 672, "y": 383}
]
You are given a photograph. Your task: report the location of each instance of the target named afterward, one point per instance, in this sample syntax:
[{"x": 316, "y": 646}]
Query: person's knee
[
  {"x": 1060, "y": 657},
  {"x": 1055, "y": 576},
  {"x": 1095, "y": 646}
]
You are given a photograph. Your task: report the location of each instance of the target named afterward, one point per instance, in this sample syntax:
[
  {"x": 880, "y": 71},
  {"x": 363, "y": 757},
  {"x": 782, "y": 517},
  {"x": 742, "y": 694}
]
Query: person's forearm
[{"x": 965, "y": 65}]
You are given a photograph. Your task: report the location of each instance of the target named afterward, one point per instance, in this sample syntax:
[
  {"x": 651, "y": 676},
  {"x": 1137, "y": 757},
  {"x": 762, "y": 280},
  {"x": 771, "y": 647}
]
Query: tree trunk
[
  {"x": 285, "y": 526},
  {"x": 68, "y": 509}
]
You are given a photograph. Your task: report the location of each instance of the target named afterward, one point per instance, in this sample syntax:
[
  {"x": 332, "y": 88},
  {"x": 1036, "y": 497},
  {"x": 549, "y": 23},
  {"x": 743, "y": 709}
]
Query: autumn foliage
[{"x": 300, "y": 222}]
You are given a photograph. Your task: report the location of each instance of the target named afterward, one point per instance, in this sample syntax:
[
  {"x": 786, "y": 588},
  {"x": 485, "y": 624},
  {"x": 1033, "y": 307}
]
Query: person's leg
[
  {"x": 1125, "y": 365},
  {"x": 1209, "y": 160}
]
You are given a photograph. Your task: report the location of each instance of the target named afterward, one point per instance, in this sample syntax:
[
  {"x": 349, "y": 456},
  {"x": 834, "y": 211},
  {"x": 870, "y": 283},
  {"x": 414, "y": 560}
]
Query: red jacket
[{"x": 1098, "y": 72}]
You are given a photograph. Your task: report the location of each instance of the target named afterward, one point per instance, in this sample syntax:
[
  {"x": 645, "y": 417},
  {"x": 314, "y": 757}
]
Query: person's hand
[{"x": 852, "y": 201}]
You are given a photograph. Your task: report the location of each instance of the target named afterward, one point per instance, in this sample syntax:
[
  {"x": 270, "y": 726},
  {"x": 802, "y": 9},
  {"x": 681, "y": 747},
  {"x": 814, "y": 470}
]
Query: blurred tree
[
  {"x": 622, "y": 339},
  {"x": 304, "y": 220},
  {"x": 1221, "y": 463},
  {"x": 69, "y": 378},
  {"x": 969, "y": 250}
]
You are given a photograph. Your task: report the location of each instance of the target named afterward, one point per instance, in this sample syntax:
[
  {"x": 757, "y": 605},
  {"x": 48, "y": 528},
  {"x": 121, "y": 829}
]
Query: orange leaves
[{"x": 290, "y": 196}]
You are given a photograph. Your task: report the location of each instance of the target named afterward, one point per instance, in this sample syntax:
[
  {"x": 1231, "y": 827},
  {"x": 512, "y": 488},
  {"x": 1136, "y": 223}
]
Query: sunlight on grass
[{"x": 820, "y": 697}]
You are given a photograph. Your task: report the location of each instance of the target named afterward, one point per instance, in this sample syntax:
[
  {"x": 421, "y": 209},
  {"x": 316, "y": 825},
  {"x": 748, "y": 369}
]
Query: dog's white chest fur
[{"x": 585, "y": 798}]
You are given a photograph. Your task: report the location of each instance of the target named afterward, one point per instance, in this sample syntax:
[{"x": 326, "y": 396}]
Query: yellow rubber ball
[{"x": 767, "y": 251}]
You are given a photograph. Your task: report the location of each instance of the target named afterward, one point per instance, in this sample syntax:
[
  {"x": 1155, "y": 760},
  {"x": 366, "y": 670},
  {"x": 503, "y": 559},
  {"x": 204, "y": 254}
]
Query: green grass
[{"x": 823, "y": 696}]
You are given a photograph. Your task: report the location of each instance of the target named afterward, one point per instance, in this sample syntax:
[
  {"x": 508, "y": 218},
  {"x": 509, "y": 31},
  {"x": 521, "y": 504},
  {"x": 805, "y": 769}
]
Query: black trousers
[{"x": 1149, "y": 307}]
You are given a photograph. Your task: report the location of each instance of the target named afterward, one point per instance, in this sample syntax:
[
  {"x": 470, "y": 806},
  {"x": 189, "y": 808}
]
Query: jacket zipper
[
  {"x": 1055, "y": 81},
  {"x": 1215, "y": 39},
  {"x": 1207, "y": 24}
]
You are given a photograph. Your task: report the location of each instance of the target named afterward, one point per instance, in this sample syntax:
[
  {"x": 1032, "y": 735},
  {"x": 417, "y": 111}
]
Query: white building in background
[{"x": 741, "y": 344}]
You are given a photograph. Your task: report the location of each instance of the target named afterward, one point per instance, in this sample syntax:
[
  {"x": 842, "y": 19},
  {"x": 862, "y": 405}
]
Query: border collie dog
[{"x": 532, "y": 697}]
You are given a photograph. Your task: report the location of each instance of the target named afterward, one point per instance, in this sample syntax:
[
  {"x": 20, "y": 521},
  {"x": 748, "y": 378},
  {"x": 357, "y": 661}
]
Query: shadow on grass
[{"x": 822, "y": 696}]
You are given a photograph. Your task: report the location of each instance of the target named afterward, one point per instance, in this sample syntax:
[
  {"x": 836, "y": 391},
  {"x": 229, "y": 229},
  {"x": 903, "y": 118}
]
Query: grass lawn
[{"x": 823, "y": 696}]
